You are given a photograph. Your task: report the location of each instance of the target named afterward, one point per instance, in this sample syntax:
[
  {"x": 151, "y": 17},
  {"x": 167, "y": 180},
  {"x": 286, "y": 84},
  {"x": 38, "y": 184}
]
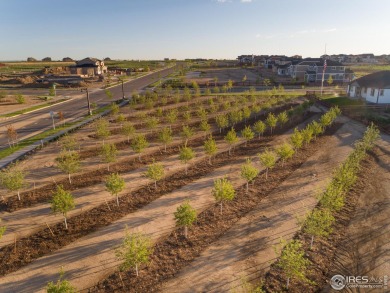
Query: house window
[
  {"x": 364, "y": 90},
  {"x": 382, "y": 92},
  {"x": 372, "y": 92}
]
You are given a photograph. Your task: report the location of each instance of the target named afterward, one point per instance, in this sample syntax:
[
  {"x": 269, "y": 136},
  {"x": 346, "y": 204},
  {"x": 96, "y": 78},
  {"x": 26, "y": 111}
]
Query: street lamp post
[
  {"x": 89, "y": 103},
  {"x": 123, "y": 91}
]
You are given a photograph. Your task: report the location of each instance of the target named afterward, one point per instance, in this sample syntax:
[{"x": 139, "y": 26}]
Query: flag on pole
[{"x": 323, "y": 72}]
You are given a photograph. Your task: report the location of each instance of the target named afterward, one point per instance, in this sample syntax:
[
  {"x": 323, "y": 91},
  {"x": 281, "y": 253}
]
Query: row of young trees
[
  {"x": 320, "y": 221},
  {"x": 136, "y": 248}
]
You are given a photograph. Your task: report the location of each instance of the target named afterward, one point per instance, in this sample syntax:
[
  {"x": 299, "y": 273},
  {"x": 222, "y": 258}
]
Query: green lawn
[
  {"x": 362, "y": 70},
  {"x": 342, "y": 101}
]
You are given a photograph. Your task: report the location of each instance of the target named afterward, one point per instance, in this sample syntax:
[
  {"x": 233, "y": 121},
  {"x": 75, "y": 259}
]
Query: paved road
[{"x": 33, "y": 123}]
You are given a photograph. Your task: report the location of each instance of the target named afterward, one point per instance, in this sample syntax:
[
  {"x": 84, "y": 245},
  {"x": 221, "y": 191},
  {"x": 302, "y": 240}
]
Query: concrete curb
[{"x": 28, "y": 150}]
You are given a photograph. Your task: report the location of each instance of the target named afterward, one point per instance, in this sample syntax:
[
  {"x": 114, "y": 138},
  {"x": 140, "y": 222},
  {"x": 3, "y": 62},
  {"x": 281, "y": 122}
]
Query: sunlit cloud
[{"x": 246, "y": 1}]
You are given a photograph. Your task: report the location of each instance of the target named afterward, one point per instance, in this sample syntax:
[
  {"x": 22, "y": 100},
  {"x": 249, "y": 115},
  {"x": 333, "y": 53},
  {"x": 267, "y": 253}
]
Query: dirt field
[{"x": 223, "y": 75}]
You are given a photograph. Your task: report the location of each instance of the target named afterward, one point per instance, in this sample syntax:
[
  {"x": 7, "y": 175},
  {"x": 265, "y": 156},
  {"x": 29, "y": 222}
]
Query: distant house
[
  {"x": 311, "y": 69},
  {"x": 31, "y": 59},
  {"x": 374, "y": 88},
  {"x": 46, "y": 59},
  {"x": 67, "y": 59},
  {"x": 89, "y": 67}
]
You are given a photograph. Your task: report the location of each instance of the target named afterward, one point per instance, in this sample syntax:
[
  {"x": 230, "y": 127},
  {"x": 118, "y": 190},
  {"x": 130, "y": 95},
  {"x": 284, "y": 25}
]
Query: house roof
[
  {"x": 319, "y": 62},
  {"x": 379, "y": 79},
  {"x": 284, "y": 65}
]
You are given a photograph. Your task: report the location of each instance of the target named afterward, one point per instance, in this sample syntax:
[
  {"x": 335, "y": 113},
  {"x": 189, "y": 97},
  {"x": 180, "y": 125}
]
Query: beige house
[{"x": 89, "y": 67}]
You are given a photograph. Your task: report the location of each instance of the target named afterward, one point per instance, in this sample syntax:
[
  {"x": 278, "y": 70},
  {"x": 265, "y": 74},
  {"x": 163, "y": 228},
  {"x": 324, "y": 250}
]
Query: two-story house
[
  {"x": 311, "y": 70},
  {"x": 89, "y": 67}
]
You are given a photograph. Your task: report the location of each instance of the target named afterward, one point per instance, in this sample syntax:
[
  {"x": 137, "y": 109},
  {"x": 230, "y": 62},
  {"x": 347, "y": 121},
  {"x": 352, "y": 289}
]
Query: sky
[{"x": 215, "y": 29}]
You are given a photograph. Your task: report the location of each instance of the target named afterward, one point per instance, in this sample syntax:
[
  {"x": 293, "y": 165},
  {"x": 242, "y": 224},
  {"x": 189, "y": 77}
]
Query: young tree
[
  {"x": 330, "y": 80},
  {"x": 223, "y": 191},
  {"x": 69, "y": 162},
  {"x": 155, "y": 172},
  {"x": 152, "y": 123},
  {"x": 201, "y": 113},
  {"x": 318, "y": 223},
  {"x": 185, "y": 216},
  {"x": 108, "y": 152},
  {"x": 115, "y": 184},
  {"x": 187, "y": 116},
  {"x": 307, "y": 134},
  {"x": 292, "y": 260},
  {"x": 282, "y": 118},
  {"x": 12, "y": 135},
  {"x": 316, "y": 128},
  {"x": 134, "y": 251},
  {"x": 165, "y": 137},
  {"x": 222, "y": 121},
  {"x": 138, "y": 144},
  {"x": 296, "y": 139},
  {"x": 62, "y": 286},
  {"x": 101, "y": 129},
  {"x": 128, "y": 130},
  {"x": 229, "y": 85},
  {"x": 171, "y": 117},
  {"x": 271, "y": 121},
  {"x": 259, "y": 127},
  {"x": 268, "y": 160},
  {"x": 204, "y": 126},
  {"x": 246, "y": 113},
  {"x": 231, "y": 138},
  {"x": 248, "y": 172},
  {"x": 114, "y": 109},
  {"x": 247, "y": 134},
  {"x": 187, "y": 133},
  {"x": 13, "y": 178},
  {"x": 215, "y": 81},
  {"x": 2, "y": 230},
  {"x": 210, "y": 147},
  {"x": 244, "y": 79},
  {"x": 285, "y": 152},
  {"x": 235, "y": 117},
  {"x": 186, "y": 155},
  {"x": 69, "y": 143},
  {"x": 62, "y": 202}
]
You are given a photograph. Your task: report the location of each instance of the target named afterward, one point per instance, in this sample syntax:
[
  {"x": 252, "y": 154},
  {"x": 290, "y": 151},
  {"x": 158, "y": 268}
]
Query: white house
[{"x": 374, "y": 88}]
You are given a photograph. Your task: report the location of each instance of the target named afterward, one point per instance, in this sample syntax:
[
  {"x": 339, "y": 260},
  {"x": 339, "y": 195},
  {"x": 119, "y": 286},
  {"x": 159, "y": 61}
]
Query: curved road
[{"x": 33, "y": 123}]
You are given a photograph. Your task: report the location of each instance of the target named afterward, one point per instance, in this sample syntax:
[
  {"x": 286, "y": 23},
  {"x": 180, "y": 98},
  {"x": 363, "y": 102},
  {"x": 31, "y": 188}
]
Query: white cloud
[
  {"x": 246, "y": 1},
  {"x": 222, "y": 1},
  {"x": 329, "y": 30}
]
